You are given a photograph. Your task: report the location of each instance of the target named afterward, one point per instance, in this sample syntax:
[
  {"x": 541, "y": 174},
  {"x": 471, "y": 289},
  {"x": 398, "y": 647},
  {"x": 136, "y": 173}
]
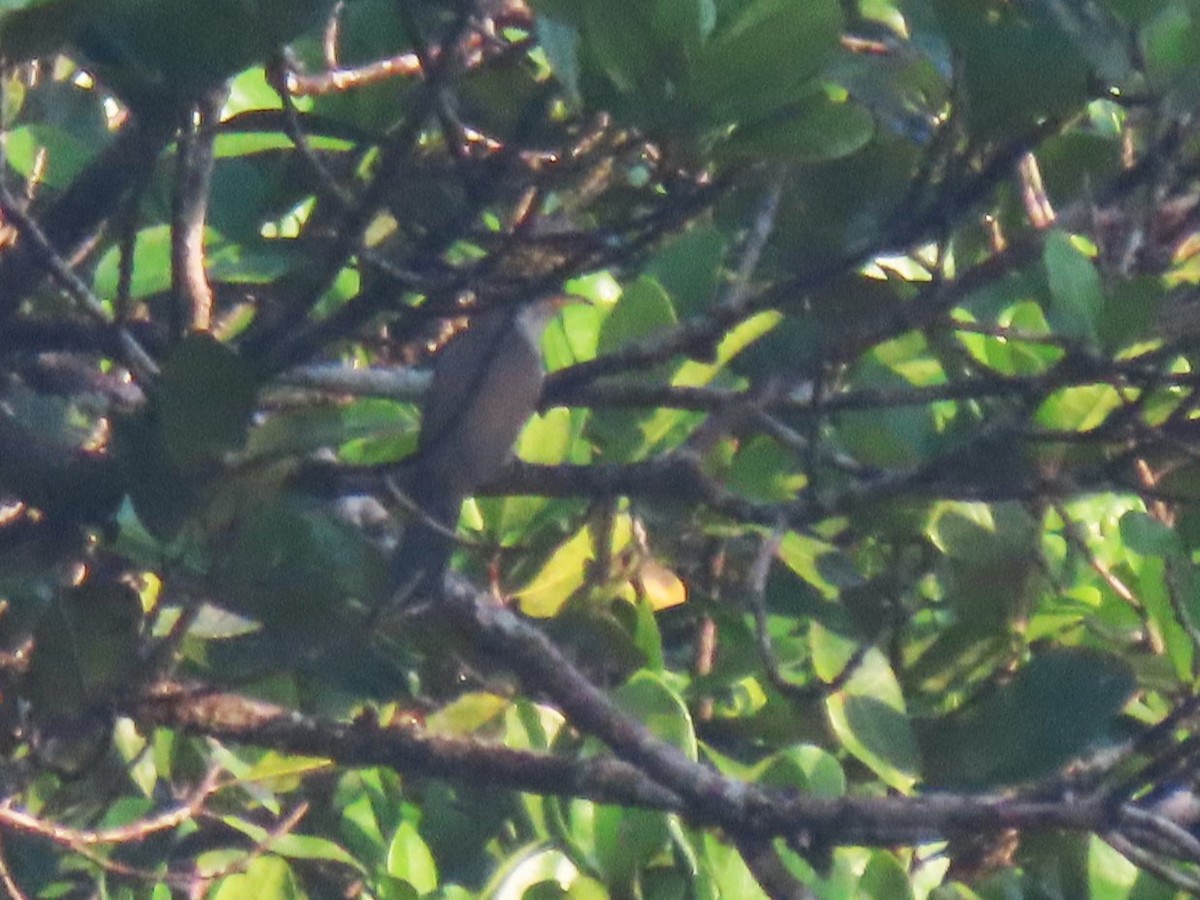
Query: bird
[{"x": 487, "y": 381}]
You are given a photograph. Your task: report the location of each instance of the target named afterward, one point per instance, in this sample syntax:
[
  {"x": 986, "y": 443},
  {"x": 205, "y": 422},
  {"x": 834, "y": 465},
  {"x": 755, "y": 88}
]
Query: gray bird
[{"x": 486, "y": 384}]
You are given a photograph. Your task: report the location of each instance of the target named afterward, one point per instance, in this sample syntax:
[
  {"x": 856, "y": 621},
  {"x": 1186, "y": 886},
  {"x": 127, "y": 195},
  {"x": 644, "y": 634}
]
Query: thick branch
[{"x": 704, "y": 797}]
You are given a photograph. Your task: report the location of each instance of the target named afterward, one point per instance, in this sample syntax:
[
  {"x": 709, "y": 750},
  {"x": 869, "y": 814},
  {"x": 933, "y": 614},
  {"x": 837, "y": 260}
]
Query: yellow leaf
[
  {"x": 566, "y": 571},
  {"x": 469, "y": 714},
  {"x": 661, "y": 587}
]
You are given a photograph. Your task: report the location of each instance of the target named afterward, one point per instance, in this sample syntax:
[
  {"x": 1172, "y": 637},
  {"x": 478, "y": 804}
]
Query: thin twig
[
  {"x": 7, "y": 880},
  {"x": 74, "y": 219},
  {"x": 134, "y": 832},
  {"x": 1149, "y": 826},
  {"x": 1075, "y": 538},
  {"x": 280, "y": 76},
  {"x": 1154, "y": 864},
  {"x": 336, "y": 81},
  {"x": 136, "y": 357},
  {"x": 737, "y": 292}
]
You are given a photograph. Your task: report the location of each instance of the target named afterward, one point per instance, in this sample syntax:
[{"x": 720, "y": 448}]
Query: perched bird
[{"x": 486, "y": 385}]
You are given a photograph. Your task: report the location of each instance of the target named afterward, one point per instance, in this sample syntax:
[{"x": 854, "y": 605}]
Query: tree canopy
[{"x": 850, "y": 554}]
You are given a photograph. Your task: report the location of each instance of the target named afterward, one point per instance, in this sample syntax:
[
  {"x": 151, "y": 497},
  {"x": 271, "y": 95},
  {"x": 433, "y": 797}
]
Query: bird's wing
[{"x": 459, "y": 373}]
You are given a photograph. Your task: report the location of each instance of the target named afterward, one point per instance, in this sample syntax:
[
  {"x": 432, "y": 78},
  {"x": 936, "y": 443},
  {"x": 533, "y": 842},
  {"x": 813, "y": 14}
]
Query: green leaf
[
  {"x": 893, "y": 435},
  {"x": 884, "y": 879},
  {"x": 688, "y": 267},
  {"x": 804, "y": 768},
  {"x": 248, "y": 143},
  {"x": 1171, "y": 41},
  {"x": 295, "y": 567},
  {"x": 989, "y": 575},
  {"x": 468, "y": 714},
  {"x": 644, "y": 309},
  {"x": 547, "y": 438},
  {"x": 85, "y": 652},
  {"x": 572, "y": 335},
  {"x": 1159, "y": 591},
  {"x": 763, "y": 58},
  {"x": 256, "y": 262},
  {"x": 1059, "y": 705},
  {"x": 152, "y": 52},
  {"x": 203, "y": 400},
  {"x": 1079, "y": 408},
  {"x": 66, "y": 153},
  {"x": 409, "y": 859},
  {"x": 32, "y": 29},
  {"x": 685, "y": 22},
  {"x": 294, "y": 846},
  {"x": 360, "y": 828},
  {"x": 647, "y": 697},
  {"x": 1076, "y": 292},
  {"x": 1130, "y": 310},
  {"x": 1109, "y": 873},
  {"x": 812, "y": 130},
  {"x": 284, "y": 772},
  {"x": 267, "y": 877},
  {"x": 250, "y": 90},
  {"x": 524, "y": 867},
  {"x": 647, "y": 637},
  {"x": 765, "y": 471},
  {"x": 620, "y": 37},
  {"x": 565, "y": 572},
  {"x": 1009, "y": 355},
  {"x": 560, "y": 43},
  {"x": 868, "y": 714},
  {"x": 728, "y": 869},
  {"x": 626, "y": 840},
  {"x": 356, "y": 427},
  {"x": 1148, "y": 536},
  {"x": 997, "y": 40},
  {"x": 151, "y": 265}
]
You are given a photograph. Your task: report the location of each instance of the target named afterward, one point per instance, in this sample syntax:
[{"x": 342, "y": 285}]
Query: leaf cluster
[{"x": 852, "y": 550}]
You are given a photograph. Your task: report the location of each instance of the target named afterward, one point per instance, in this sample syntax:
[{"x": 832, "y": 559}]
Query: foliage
[{"x": 851, "y": 555}]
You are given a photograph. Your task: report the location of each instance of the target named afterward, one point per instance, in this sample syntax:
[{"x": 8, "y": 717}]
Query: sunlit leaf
[
  {"x": 409, "y": 859},
  {"x": 867, "y": 714},
  {"x": 267, "y": 877}
]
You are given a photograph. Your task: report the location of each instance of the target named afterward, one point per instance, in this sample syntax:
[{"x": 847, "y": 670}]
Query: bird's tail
[{"x": 420, "y": 561}]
